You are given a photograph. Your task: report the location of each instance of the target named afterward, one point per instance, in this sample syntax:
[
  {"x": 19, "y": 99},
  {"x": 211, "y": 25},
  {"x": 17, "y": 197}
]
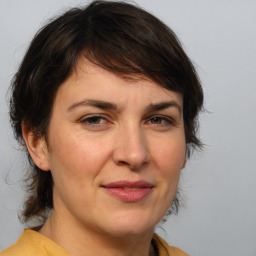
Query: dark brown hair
[{"x": 119, "y": 37}]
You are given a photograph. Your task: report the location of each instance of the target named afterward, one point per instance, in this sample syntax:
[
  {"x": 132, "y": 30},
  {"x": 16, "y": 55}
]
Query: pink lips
[{"x": 128, "y": 191}]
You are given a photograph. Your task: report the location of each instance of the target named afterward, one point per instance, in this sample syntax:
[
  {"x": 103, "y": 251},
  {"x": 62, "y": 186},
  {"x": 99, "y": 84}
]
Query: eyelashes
[
  {"x": 100, "y": 121},
  {"x": 160, "y": 120},
  {"x": 95, "y": 121}
]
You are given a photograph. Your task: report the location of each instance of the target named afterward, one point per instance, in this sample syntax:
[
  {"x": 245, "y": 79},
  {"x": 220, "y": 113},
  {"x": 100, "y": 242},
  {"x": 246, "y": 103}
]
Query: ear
[
  {"x": 184, "y": 164},
  {"x": 185, "y": 159},
  {"x": 37, "y": 148}
]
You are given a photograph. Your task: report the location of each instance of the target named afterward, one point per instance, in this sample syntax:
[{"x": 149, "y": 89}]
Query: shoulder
[
  {"x": 33, "y": 243},
  {"x": 166, "y": 250},
  {"x": 21, "y": 247}
]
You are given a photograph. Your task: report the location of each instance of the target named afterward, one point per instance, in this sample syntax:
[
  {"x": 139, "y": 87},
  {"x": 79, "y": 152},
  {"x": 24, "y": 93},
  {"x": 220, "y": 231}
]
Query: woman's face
[{"x": 115, "y": 149}]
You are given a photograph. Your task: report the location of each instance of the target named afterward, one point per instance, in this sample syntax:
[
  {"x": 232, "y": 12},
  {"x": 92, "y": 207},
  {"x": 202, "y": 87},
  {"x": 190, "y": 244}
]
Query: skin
[{"x": 138, "y": 135}]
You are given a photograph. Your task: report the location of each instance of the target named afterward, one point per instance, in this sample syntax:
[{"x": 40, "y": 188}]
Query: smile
[
  {"x": 130, "y": 188},
  {"x": 127, "y": 191}
]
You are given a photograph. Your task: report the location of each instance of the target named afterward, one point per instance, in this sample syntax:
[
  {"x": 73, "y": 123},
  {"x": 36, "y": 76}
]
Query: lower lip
[{"x": 129, "y": 195}]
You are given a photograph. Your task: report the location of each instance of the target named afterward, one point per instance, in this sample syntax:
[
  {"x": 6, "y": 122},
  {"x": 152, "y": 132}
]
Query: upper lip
[{"x": 128, "y": 184}]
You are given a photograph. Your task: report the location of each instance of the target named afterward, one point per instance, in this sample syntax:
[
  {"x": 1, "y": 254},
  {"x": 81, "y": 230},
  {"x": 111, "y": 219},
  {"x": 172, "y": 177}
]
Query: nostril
[
  {"x": 131, "y": 166},
  {"x": 131, "y": 152},
  {"x": 123, "y": 163}
]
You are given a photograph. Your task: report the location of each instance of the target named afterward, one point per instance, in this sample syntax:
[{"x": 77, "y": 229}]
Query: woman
[{"x": 105, "y": 102}]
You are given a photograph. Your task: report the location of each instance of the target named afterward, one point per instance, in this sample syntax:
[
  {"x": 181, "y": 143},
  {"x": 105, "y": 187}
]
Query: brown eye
[
  {"x": 157, "y": 120},
  {"x": 162, "y": 120},
  {"x": 93, "y": 120}
]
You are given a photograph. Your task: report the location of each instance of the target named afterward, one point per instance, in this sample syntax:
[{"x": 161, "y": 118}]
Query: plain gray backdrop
[{"x": 219, "y": 184}]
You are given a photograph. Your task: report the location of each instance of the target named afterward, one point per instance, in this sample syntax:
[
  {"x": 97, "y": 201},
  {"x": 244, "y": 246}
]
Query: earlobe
[
  {"x": 37, "y": 148},
  {"x": 184, "y": 164},
  {"x": 185, "y": 160}
]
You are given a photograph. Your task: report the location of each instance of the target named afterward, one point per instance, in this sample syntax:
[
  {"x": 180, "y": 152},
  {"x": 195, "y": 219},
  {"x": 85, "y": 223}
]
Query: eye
[
  {"x": 94, "y": 121},
  {"x": 157, "y": 120},
  {"x": 162, "y": 121}
]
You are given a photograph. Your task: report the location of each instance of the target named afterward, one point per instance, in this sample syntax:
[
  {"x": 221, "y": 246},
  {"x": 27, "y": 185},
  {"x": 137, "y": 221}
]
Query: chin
[
  {"x": 130, "y": 231},
  {"x": 131, "y": 225}
]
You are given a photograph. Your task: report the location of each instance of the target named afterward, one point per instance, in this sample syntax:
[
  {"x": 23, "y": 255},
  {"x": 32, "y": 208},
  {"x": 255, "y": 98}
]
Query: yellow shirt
[{"x": 32, "y": 243}]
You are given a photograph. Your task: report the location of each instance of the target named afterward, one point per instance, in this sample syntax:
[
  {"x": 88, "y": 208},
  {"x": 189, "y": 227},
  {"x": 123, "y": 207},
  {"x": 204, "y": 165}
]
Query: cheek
[
  {"x": 169, "y": 159},
  {"x": 170, "y": 155},
  {"x": 74, "y": 167},
  {"x": 77, "y": 157}
]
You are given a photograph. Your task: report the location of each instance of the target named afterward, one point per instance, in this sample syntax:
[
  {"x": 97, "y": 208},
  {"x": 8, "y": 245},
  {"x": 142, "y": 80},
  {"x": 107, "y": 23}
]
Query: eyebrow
[
  {"x": 112, "y": 106},
  {"x": 95, "y": 103},
  {"x": 164, "y": 105}
]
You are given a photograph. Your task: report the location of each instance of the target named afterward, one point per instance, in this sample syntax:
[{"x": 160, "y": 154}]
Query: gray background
[{"x": 219, "y": 184}]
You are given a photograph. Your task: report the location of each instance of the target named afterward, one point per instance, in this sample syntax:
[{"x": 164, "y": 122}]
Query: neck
[{"x": 83, "y": 241}]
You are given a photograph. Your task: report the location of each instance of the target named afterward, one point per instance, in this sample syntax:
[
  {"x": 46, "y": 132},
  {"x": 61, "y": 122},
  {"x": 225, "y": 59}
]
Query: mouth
[{"x": 128, "y": 191}]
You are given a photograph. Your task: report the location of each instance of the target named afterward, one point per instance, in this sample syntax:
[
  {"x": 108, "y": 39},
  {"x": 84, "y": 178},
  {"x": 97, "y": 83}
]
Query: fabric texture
[
  {"x": 32, "y": 243},
  {"x": 164, "y": 249}
]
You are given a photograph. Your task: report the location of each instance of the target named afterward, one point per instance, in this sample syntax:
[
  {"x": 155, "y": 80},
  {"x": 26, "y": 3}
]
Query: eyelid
[
  {"x": 169, "y": 120},
  {"x": 87, "y": 117},
  {"x": 105, "y": 120},
  {"x": 91, "y": 115}
]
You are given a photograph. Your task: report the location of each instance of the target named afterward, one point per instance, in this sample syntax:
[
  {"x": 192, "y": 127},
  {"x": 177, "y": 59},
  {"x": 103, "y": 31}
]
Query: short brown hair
[{"x": 119, "y": 37}]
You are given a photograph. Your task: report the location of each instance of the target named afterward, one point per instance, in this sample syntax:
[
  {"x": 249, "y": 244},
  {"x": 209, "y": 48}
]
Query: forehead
[{"x": 90, "y": 80}]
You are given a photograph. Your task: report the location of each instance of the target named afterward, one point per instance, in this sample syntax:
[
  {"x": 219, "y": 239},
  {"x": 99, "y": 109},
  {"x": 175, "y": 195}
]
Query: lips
[{"x": 128, "y": 191}]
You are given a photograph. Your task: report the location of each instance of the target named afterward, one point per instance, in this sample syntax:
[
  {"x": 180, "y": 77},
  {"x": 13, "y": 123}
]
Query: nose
[{"x": 131, "y": 149}]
